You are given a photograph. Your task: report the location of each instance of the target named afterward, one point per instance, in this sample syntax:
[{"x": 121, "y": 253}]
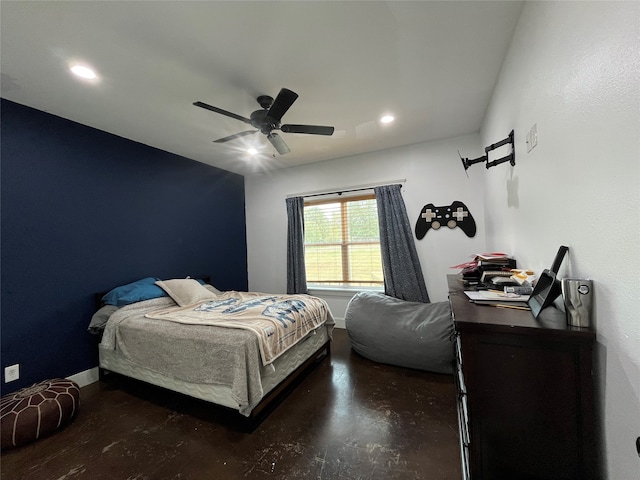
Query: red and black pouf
[{"x": 35, "y": 411}]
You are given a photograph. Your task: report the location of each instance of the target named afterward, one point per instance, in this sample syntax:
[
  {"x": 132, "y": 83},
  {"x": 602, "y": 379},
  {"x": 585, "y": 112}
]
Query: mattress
[{"x": 115, "y": 361}]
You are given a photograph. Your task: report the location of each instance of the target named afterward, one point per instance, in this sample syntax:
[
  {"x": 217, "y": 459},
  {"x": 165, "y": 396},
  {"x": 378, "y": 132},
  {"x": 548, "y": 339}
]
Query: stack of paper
[{"x": 493, "y": 297}]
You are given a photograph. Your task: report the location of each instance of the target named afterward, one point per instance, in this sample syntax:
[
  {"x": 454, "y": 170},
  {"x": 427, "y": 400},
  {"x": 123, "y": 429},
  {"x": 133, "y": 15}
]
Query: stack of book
[{"x": 485, "y": 266}]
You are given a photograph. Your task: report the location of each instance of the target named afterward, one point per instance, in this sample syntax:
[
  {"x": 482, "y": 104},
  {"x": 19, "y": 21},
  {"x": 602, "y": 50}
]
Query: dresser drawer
[
  {"x": 463, "y": 428},
  {"x": 463, "y": 417},
  {"x": 463, "y": 411}
]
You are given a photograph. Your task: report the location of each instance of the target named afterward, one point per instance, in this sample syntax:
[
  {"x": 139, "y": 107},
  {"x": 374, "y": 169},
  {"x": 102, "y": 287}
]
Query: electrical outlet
[
  {"x": 12, "y": 373},
  {"x": 532, "y": 137}
]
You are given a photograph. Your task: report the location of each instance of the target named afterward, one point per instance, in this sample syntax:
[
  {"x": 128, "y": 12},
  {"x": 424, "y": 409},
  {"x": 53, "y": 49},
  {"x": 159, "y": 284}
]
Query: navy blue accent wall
[{"x": 83, "y": 211}]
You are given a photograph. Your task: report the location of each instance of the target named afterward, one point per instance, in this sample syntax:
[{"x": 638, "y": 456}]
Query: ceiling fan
[{"x": 268, "y": 119}]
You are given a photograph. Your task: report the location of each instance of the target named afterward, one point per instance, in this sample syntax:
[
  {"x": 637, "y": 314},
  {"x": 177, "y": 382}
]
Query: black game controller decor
[{"x": 455, "y": 215}]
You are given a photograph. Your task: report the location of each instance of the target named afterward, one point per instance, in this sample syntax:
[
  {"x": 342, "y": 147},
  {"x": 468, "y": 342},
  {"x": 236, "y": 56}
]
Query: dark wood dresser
[{"x": 526, "y": 401}]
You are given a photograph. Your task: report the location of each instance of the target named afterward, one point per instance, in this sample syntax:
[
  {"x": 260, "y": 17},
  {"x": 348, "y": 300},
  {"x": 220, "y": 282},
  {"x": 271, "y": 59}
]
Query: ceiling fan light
[
  {"x": 252, "y": 151},
  {"x": 83, "y": 72},
  {"x": 387, "y": 119}
]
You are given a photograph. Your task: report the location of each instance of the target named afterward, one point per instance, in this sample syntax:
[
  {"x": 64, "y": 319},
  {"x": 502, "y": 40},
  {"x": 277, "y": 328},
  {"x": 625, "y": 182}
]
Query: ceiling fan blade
[
  {"x": 311, "y": 129},
  {"x": 222, "y": 112},
  {"x": 232, "y": 137},
  {"x": 282, "y": 103},
  {"x": 279, "y": 144}
]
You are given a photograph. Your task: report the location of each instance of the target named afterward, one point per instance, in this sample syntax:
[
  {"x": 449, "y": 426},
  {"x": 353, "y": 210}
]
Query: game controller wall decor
[
  {"x": 511, "y": 158},
  {"x": 455, "y": 215}
]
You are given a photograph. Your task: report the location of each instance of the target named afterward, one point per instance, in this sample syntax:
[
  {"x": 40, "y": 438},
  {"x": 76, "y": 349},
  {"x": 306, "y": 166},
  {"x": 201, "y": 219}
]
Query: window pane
[
  {"x": 363, "y": 221},
  {"x": 365, "y": 264},
  {"x": 323, "y": 223},
  {"x": 323, "y": 263}
]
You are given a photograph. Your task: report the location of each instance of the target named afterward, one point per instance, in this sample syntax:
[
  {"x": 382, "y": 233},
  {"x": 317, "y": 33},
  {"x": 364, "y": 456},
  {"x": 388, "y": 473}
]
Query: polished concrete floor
[{"x": 349, "y": 419}]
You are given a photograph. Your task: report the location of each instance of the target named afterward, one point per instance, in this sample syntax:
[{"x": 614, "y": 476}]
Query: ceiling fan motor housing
[
  {"x": 265, "y": 101},
  {"x": 264, "y": 123}
]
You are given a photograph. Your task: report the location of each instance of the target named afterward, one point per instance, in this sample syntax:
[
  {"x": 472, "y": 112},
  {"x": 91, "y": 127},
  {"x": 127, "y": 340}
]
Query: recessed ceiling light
[
  {"x": 83, "y": 72},
  {"x": 387, "y": 119}
]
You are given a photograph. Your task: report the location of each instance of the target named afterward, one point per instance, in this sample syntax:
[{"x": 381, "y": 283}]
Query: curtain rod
[{"x": 353, "y": 188}]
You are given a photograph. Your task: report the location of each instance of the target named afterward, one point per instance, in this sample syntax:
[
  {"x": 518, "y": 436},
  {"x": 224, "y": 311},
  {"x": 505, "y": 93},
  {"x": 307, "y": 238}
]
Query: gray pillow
[
  {"x": 406, "y": 334},
  {"x": 100, "y": 318}
]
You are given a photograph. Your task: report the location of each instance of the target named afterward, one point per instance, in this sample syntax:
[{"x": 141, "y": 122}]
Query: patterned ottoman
[{"x": 36, "y": 411}]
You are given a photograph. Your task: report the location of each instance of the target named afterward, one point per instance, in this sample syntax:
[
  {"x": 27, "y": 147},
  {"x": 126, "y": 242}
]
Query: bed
[{"x": 239, "y": 350}]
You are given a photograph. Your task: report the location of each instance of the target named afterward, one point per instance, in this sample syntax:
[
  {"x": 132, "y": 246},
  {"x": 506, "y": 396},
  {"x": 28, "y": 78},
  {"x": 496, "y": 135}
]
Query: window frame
[{"x": 344, "y": 247}]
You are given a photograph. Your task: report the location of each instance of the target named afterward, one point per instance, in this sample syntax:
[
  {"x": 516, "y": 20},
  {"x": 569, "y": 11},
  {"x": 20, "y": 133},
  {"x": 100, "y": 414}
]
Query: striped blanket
[{"x": 279, "y": 321}]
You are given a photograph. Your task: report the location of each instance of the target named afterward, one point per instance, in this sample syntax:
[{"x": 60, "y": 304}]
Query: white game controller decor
[{"x": 455, "y": 215}]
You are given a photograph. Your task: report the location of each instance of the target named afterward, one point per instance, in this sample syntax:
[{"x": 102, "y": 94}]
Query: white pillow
[
  {"x": 186, "y": 291},
  {"x": 211, "y": 288}
]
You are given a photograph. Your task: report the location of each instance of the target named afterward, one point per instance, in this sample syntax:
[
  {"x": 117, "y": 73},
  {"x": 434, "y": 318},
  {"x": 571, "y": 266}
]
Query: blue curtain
[
  {"x": 403, "y": 276},
  {"x": 296, "y": 273}
]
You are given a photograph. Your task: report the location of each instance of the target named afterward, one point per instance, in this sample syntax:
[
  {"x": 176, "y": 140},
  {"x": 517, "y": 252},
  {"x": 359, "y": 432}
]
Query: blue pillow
[{"x": 138, "y": 291}]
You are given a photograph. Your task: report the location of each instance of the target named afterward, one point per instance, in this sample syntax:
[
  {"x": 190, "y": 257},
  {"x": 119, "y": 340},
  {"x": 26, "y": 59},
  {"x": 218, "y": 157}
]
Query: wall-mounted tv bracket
[
  {"x": 511, "y": 158},
  {"x": 466, "y": 162}
]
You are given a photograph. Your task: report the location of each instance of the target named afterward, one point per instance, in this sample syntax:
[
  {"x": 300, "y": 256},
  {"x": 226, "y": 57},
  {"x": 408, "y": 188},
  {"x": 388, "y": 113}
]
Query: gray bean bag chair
[{"x": 406, "y": 334}]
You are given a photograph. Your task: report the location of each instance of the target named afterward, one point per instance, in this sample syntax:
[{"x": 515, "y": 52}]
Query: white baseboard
[
  {"x": 340, "y": 323},
  {"x": 85, "y": 378}
]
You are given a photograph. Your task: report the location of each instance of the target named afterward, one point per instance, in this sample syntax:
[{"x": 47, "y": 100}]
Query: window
[{"x": 342, "y": 242}]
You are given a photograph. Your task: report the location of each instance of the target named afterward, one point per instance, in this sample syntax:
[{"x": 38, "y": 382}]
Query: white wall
[
  {"x": 433, "y": 174},
  {"x": 573, "y": 69}
]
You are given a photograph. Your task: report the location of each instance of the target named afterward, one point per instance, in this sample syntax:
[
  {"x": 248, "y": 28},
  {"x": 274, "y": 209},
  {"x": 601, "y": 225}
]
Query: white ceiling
[{"x": 432, "y": 64}]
